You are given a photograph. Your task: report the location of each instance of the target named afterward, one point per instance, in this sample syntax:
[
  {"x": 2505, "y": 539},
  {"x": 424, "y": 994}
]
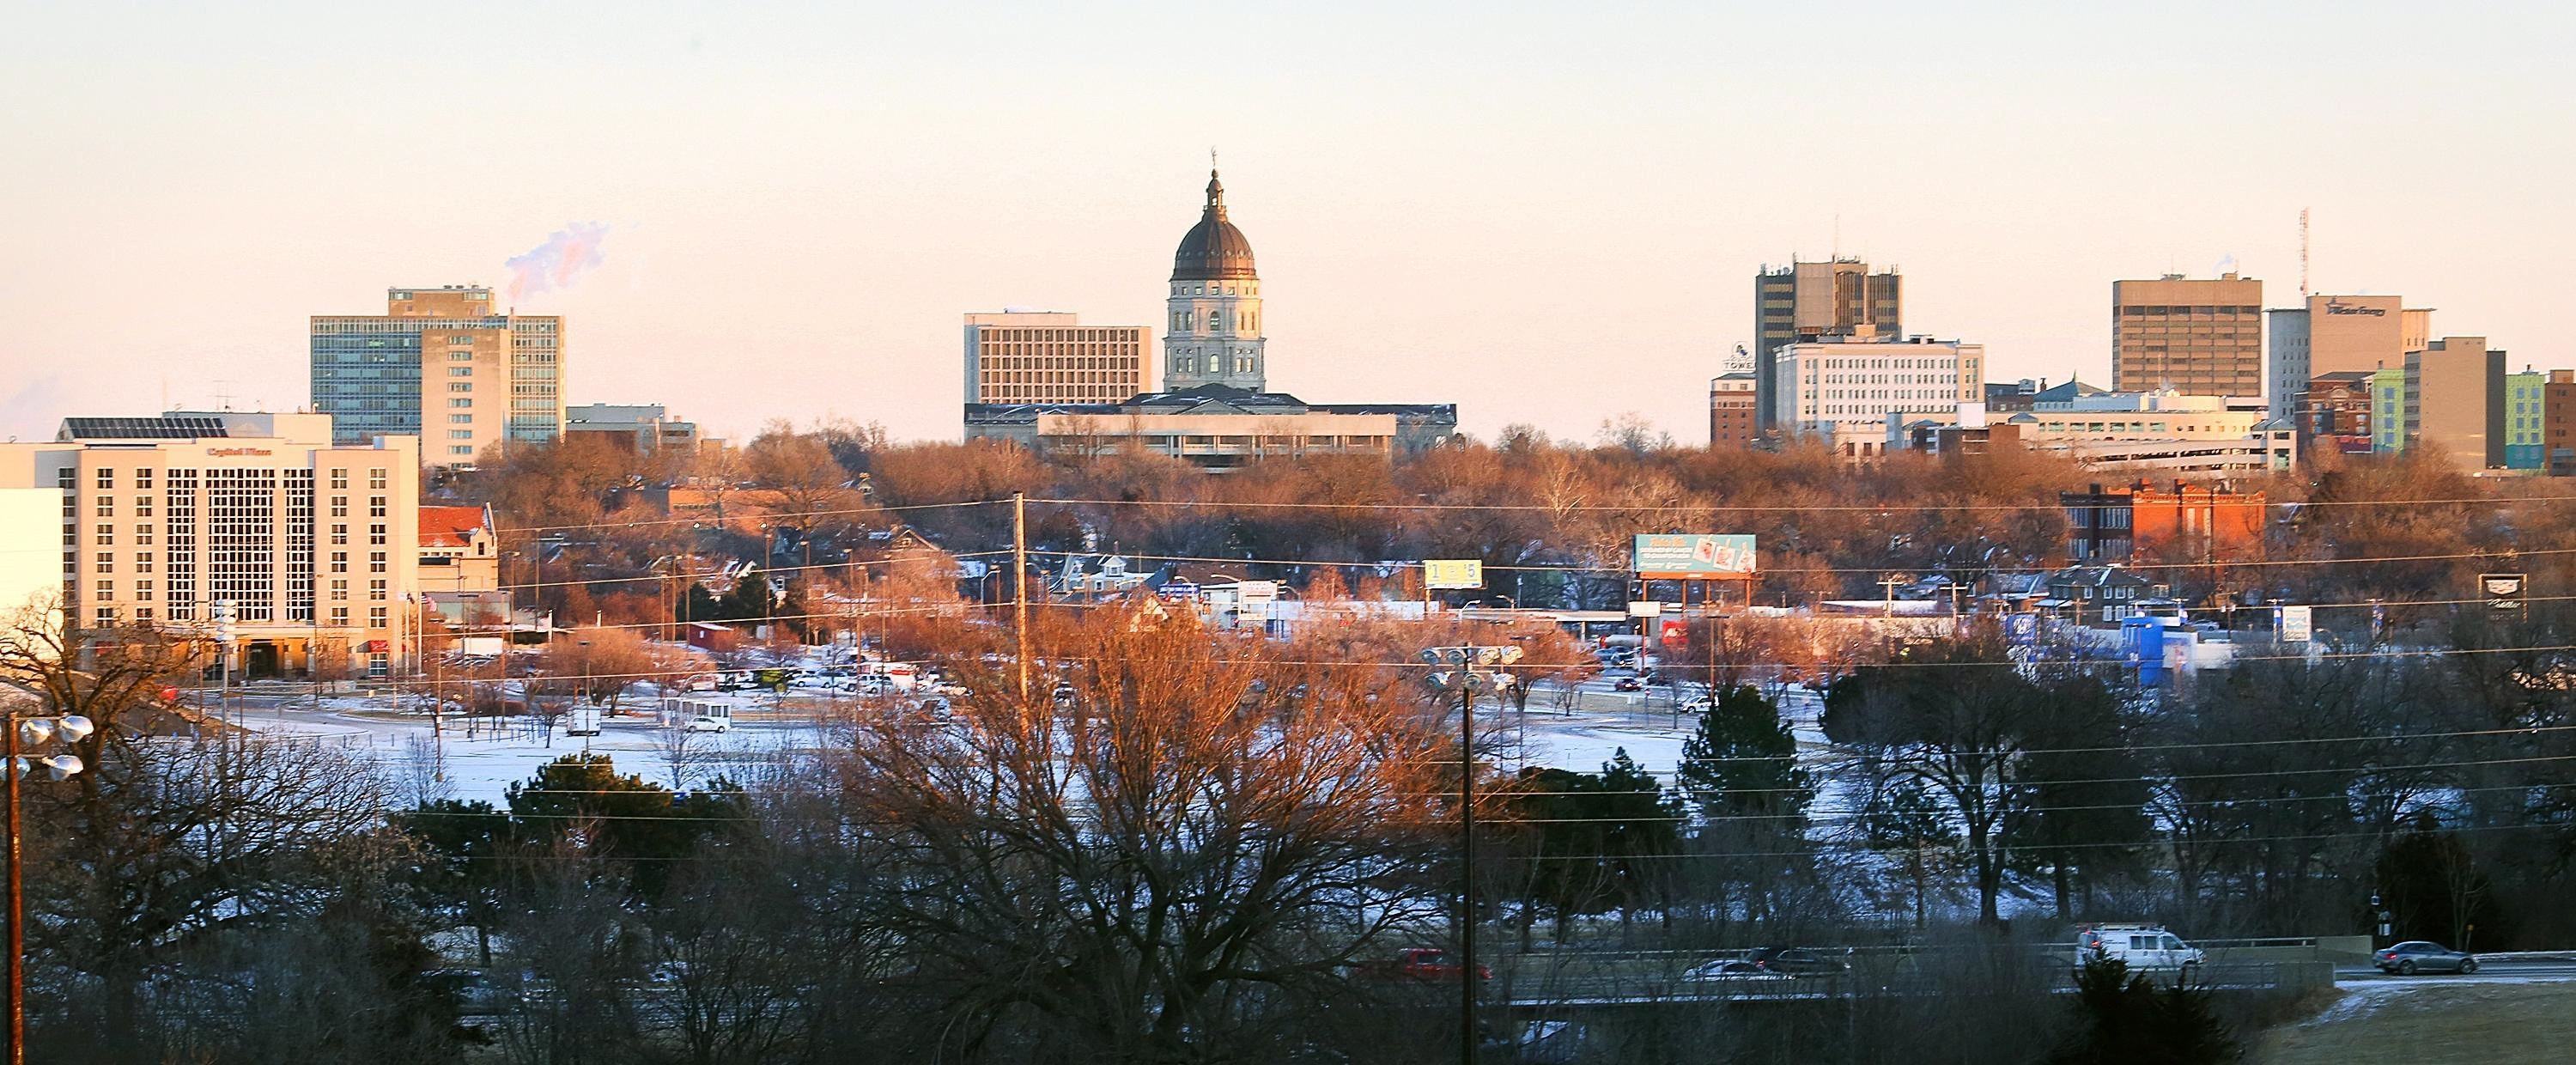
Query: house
[
  {"x": 2096, "y": 594},
  {"x": 460, "y": 550}
]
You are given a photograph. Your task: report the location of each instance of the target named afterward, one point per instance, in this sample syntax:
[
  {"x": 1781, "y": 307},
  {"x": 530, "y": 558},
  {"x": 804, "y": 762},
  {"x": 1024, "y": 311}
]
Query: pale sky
[{"x": 1544, "y": 213}]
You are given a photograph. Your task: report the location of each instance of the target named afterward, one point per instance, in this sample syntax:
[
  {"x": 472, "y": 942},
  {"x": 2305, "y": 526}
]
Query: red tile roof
[{"x": 449, "y": 526}]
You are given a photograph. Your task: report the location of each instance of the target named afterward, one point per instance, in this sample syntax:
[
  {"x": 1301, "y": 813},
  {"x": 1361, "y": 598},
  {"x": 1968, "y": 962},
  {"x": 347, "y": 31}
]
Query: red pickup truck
[{"x": 1430, "y": 964}]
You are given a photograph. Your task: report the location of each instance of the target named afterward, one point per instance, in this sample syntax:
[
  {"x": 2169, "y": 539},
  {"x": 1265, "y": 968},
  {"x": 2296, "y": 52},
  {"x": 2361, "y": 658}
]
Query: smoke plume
[{"x": 558, "y": 262}]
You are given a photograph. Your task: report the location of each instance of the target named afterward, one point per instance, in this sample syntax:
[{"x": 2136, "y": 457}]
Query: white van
[
  {"x": 697, "y": 715},
  {"x": 581, "y": 721},
  {"x": 2145, "y": 947}
]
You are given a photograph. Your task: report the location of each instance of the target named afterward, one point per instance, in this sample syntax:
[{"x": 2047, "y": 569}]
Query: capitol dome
[{"x": 1214, "y": 250}]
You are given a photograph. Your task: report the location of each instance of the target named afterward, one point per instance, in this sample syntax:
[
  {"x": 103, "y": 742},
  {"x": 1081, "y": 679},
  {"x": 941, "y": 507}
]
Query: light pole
[
  {"x": 1466, "y": 680},
  {"x": 21, "y": 733}
]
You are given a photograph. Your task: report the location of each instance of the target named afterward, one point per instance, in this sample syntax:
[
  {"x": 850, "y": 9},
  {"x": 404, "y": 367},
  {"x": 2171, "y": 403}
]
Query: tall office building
[
  {"x": 2199, "y": 337},
  {"x": 441, "y": 364},
  {"x": 314, "y": 542},
  {"x": 1213, "y": 336},
  {"x": 1051, "y": 357},
  {"x": 1733, "y": 421},
  {"x": 2333, "y": 334},
  {"x": 2455, "y": 401},
  {"x": 1815, "y": 301}
]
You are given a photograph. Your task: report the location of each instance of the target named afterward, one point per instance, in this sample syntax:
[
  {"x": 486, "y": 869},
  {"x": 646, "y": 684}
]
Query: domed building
[
  {"x": 1215, "y": 410},
  {"x": 1213, "y": 333}
]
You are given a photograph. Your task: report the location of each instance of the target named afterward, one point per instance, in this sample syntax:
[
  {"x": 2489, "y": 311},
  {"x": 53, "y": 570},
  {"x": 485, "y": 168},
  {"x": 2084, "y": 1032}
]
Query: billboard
[
  {"x": 1449, "y": 573},
  {"x": 2297, "y": 624},
  {"x": 1693, "y": 556}
]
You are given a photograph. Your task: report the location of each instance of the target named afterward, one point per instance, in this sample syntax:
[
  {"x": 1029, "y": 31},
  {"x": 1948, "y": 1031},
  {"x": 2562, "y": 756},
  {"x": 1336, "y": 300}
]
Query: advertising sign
[
  {"x": 1253, "y": 593},
  {"x": 1451, "y": 573},
  {"x": 2503, "y": 590},
  {"x": 1178, "y": 590},
  {"x": 1693, "y": 556},
  {"x": 1644, "y": 608},
  {"x": 2296, "y": 624}
]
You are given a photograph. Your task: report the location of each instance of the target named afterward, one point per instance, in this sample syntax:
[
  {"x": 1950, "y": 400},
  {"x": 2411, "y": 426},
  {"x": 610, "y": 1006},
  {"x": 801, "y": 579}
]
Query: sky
[{"x": 1544, "y": 213}]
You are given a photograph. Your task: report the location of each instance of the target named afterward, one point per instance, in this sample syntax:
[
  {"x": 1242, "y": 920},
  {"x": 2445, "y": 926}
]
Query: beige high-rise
[
  {"x": 1816, "y": 301},
  {"x": 442, "y": 364},
  {"x": 314, "y": 543},
  {"x": 2201, "y": 337}
]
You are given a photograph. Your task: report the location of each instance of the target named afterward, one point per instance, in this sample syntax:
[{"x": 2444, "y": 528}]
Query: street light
[
  {"x": 1466, "y": 680},
  {"x": 22, "y": 733}
]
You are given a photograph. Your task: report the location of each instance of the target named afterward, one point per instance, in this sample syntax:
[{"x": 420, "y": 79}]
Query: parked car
[
  {"x": 1421, "y": 963},
  {"x": 1731, "y": 969},
  {"x": 1628, "y": 684},
  {"x": 1793, "y": 961},
  {"x": 2414, "y": 956},
  {"x": 2145, "y": 947},
  {"x": 1702, "y": 705}
]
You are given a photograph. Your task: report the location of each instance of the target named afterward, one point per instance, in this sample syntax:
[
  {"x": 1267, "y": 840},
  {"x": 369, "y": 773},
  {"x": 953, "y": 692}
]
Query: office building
[
  {"x": 1815, "y": 301},
  {"x": 2201, "y": 337},
  {"x": 2524, "y": 411},
  {"x": 2332, "y": 334},
  {"x": 1051, "y": 357},
  {"x": 1213, "y": 330},
  {"x": 1841, "y": 392},
  {"x": 443, "y": 365},
  {"x": 2558, "y": 423},
  {"x": 2455, "y": 401},
  {"x": 2334, "y": 411},
  {"x": 638, "y": 428},
  {"x": 1733, "y": 420},
  {"x": 2388, "y": 410},
  {"x": 1216, "y": 428},
  {"x": 315, "y": 543}
]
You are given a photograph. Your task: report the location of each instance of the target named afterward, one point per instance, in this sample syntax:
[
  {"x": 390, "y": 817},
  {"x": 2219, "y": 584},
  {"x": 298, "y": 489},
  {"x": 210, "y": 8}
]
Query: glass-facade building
[{"x": 442, "y": 365}]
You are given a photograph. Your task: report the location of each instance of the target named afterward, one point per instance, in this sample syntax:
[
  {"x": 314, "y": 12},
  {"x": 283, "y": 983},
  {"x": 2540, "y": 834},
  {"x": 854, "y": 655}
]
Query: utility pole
[
  {"x": 1020, "y": 583},
  {"x": 1890, "y": 582},
  {"x": 1466, "y": 868}
]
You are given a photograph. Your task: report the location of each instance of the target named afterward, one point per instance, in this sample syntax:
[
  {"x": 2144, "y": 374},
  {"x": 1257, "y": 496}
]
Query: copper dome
[{"x": 1214, "y": 249}]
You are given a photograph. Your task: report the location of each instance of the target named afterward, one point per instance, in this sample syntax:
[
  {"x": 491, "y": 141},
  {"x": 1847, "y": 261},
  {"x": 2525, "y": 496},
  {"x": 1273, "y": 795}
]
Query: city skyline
[{"x": 797, "y": 209}]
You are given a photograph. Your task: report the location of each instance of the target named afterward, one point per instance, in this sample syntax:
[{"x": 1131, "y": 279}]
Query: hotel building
[{"x": 313, "y": 542}]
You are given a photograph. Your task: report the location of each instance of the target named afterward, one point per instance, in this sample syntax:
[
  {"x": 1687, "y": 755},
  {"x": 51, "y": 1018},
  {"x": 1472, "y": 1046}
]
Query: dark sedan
[
  {"x": 1794, "y": 961},
  {"x": 2418, "y": 956}
]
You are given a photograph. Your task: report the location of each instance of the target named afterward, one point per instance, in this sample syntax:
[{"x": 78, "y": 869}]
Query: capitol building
[{"x": 1214, "y": 410}]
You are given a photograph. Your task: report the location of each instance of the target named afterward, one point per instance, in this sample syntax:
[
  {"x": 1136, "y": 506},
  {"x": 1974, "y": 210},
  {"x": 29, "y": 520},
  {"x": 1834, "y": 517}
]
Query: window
[
  {"x": 460, "y": 386},
  {"x": 376, "y": 617},
  {"x": 106, "y": 477},
  {"x": 340, "y": 615},
  {"x": 106, "y": 589},
  {"x": 106, "y": 535},
  {"x": 460, "y": 371},
  {"x": 339, "y": 562},
  {"x": 376, "y": 534},
  {"x": 375, "y": 562},
  {"x": 376, "y": 478},
  {"x": 340, "y": 479},
  {"x": 460, "y": 356},
  {"x": 143, "y": 590},
  {"x": 107, "y": 562},
  {"x": 339, "y": 506},
  {"x": 460, "y": 434},
  {"x": 376, "y": 590},
  {"x": 460, "y": 403},
  {"x": 375, "y": 506},
  {"x": 339, "y": 534}
]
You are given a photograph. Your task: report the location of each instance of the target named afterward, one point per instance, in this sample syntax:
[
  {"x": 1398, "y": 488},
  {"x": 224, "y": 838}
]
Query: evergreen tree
[
  {"x": 749, "y": 600},
  {"x": 699, "y": 605},
  {"x": 2127, "y": 1018},
  {"x": 1742, "y": 774}
]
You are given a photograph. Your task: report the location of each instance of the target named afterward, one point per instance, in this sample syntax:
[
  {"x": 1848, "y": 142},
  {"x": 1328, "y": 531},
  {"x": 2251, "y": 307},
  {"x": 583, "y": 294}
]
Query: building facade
[
  {"x": 1051, "y": 357},
  {"x": 2146, "y": 430},
  {"x": 2186, "y": 521},
  {"x": 640, "y": 429},
  {"x": 2337, "y": 333},
  {"x": 2388, "y": 410},
  {"x": 1213, "y": 333},
  {"x": 1733, "y": 419},
  {"x": 314, "y": 543},
  {"x": 1821, "y": 301},
  {"x": 2558, "y": 423},
  {"x": 442, "y": 365},
  {"x": 1842, "y": 392},
  {"x": 2334, "y": 411},
  {"x": 1217, "y": 428},
  {"x": 460, "y": 550},
  {"x": 2455, "y": 401},
  {"x": 2524, "y": 412},
  {"x": 2198, "y": 336}
]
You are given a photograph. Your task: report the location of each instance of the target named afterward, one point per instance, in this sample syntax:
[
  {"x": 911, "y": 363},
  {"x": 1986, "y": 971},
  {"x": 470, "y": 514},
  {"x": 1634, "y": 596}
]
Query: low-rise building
[
  {"x": 460, "y": 550},
  {"x": 1733, "y": 420},
  {"x": 635, "y": 429},
  {"x": 1216, "y": 427},
  {"x": 2334, "y": 411},
  {"x": 1841, "y": 391},
  {"x": 2193, "y": 521}
]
